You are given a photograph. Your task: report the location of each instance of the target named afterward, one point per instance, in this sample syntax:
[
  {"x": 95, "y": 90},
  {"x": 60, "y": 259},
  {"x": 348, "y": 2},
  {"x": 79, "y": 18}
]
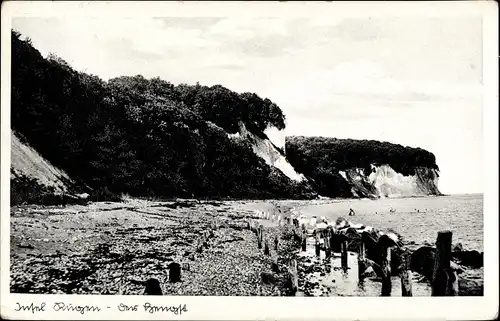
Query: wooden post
[
  {"x": 317, "y": 243},
  {"x": 266, "y": 248},
  {"x": 327, "y": 239},
  {"x": 153, "y": 287},
  {"x": 443, "y": 279},
  {"x": 275, "y": 243},
  {"x": 274, "y": 265},
  {"x": 406, "y": 275},
  {"x": 453, "y": 283},
  {"x": 259, "y": 237},
  {"x": 175, "y": 272},
  {"x": 386, "y": 271},
  {"x": 294, "y": 276},
  {"x": 199, "y": 246},
  {"x": 343, "y": 255},
  {"x": 304, "y": 240},
  {"x": 361, "y": 260},
  {"x": 206, "y": 239}
]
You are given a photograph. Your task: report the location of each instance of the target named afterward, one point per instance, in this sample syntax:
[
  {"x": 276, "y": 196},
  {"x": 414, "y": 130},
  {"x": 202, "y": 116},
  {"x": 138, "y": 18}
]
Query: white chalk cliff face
[
  {"x": 264, "y": 149},
  {"x": 383, "y": 181},
  {"x": 276, "y": 136}
]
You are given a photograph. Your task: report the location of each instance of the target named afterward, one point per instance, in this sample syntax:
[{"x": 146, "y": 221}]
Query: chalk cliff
[
  {"x": 269, "y": 151},
  {"x": 363, "y": 168},
  {"x": 383, "y": 181}
]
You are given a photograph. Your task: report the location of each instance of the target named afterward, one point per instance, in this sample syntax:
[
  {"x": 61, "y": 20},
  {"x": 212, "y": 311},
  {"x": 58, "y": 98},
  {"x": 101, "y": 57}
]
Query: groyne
[{"x": 346, "y": 258}]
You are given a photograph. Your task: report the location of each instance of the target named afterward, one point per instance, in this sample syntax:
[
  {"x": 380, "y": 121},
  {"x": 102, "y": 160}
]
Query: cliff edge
[{"x": 363, "y": 168}]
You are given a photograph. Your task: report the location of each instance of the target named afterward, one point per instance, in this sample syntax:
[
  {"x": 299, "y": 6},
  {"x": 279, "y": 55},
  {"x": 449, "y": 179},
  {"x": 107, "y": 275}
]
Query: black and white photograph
[{"x": 247, "y": 155}]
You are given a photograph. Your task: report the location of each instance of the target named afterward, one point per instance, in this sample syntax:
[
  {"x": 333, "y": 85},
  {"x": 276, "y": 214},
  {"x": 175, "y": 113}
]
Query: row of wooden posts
[
  {"x": 444, "y": 281},
  {"x": 259, "y": 231},
  {"x": 264, "y": 242}
]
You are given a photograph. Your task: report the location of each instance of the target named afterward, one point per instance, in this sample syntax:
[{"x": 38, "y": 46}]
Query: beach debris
[
  {"x": 321, "y": 226},
  {"x": 25, "y": 246},
  {"x": 458, "y": 247},
  {"x": 422, "y": 261},
  {"x": 267, "y": 277},
  {"x": 369, "y": 272},
  {"x": 473, "y": 259},
  {"x": 388, "y": 240},
  {"x": 341, "y": 223}
]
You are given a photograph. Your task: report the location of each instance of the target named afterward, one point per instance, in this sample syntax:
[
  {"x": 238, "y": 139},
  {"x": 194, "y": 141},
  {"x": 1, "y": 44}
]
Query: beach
[
  {"x": 116, "y": 247},
  {"x": 113, "y": 248}
]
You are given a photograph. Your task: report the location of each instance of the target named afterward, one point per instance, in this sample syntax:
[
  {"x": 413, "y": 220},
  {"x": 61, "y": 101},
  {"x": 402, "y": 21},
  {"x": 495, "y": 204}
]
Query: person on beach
[{"x": 351, "y": 212}]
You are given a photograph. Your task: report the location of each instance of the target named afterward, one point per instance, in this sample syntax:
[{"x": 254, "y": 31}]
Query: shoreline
[
  {"x": 147, "y": 236},
  {"x": 68, "y": 199}
]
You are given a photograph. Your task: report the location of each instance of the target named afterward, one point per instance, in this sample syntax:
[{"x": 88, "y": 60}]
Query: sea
[{"x": 416, "y": 219}]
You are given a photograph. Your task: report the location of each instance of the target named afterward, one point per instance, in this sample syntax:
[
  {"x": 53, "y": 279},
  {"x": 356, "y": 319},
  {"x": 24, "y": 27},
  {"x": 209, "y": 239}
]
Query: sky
[{"x": 415, "y": 81}]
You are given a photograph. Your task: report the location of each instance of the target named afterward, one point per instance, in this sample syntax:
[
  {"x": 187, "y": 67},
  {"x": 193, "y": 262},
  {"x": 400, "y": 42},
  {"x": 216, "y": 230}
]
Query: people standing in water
[{"x": 351, "y": 212}]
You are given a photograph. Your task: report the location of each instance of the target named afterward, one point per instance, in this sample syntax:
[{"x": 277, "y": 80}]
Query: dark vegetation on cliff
[
  {"x": 150, "y": 138},
  {"x": 144, "y": 137},
  {"x": 321, "y": 159}
]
